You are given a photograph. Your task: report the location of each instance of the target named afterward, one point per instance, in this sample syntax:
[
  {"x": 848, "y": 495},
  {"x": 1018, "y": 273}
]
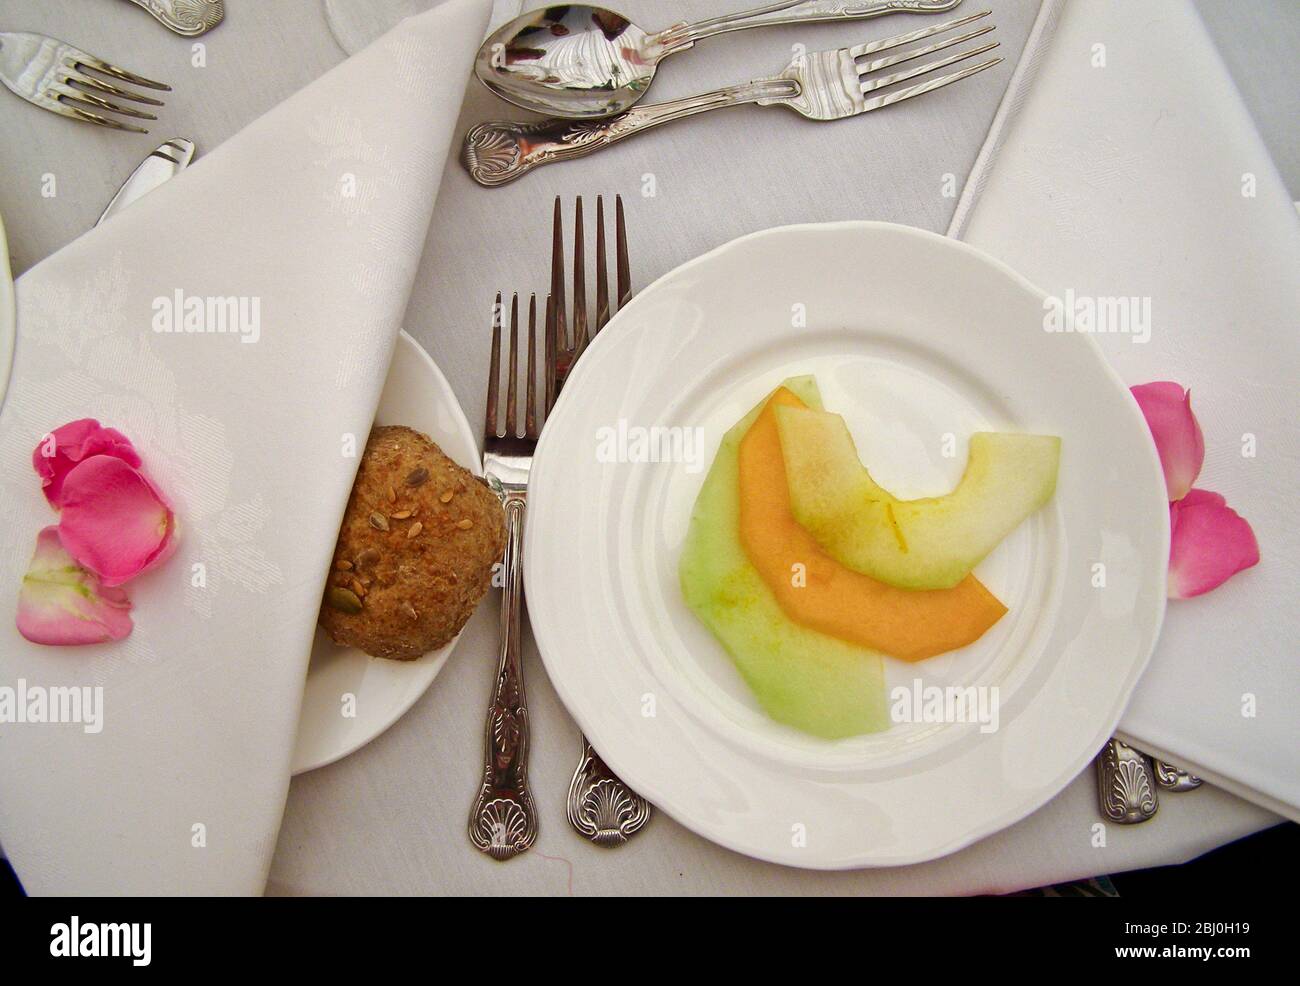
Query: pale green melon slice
[
  {"x": 802, "y": 678},
  {"x": 931, "y": 543}
]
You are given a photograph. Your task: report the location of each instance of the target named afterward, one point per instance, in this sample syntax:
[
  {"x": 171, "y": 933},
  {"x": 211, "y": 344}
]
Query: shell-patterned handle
[
  {"x": 600, "y": 806},
  {"x": 497, "y": 152},
  {"x": 186, "y": 17},
  {"x": 1126, "y": 788},
  {"x": 500, "y": 151}
]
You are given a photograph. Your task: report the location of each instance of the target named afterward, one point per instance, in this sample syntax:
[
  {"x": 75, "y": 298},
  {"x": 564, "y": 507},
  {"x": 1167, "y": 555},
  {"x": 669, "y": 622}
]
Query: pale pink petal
[
  {"x": 1209, "y": 542},
  {"x": 61, "y": 450},
  {"x": 1168, "y": 410},
  {"x": 115, "y": 522},
  {"x": 61, "y": 603}
]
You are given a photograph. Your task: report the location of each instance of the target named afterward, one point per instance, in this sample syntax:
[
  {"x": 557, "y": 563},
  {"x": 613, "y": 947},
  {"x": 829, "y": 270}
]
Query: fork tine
[
  {"x": 66, "y": 94},
  {"x": 901, "y": 39},
  {"x": 494, "y": 373},
  {"x": 512, "y": 370},
  {"x": 579, "y": 283},
  {"x": 99, "y": 85},
  {"x": 530, "y": 387},
  {"x": 898, "y": 95},
  {"x": 550, "y": 368},
  {"x": 56, "y": 105},
  {"x": 888, "y": 80},
  {"x": 82, "y": 59},
  {"x": 557, "y": 276},
  {"x": 620, "y": 247},
  {"x": 602, "y": 269},
  {"x": 905, "y": 56}
]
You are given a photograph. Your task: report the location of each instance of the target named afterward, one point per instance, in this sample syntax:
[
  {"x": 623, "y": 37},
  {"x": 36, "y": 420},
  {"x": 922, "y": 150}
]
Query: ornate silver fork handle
[
  {"x": 600, "y": 806},
  {"x": 187, "y": 17},
  {"x": 503, "y": 822},
  {"x": 501, "y": 151}
]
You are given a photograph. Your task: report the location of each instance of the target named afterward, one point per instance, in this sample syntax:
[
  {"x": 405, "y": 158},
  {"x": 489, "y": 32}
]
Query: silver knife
[
  {"x": 186, "y": 17},
  {"x": 169, "y": 160}
]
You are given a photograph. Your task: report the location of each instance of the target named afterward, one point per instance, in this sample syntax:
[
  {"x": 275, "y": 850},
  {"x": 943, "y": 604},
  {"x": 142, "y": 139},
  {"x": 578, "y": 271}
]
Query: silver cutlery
[
  {"x": 582, "y": 62},
  {"x": 826, "y": 85},
  {"x": 503, "y": 821},
  {"x": 57, "y": 77},
  {"x": 568, "y": 346},
  {"x": 1126, "y": 786},
  {"x": 165, "y": 162},
  {"x": 187, "y": 17},
  {"x": 1175, "y": 779},
  {"x": 600, "y": 806},
  {"x": 1128, "y": 782}
]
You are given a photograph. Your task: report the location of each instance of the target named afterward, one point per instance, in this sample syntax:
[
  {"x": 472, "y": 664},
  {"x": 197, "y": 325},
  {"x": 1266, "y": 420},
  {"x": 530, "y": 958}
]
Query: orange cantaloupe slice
[{"x": 904, "y": 623}]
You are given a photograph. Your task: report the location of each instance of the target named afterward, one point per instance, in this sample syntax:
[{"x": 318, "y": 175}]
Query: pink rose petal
[
  {"x": 1168, "y": 410},
  {"x": 1209, "y": 497},
  {"x": 61, "y": 450},
  {"x": 115, "y": 522},
  {"x": 61, "y": 603},
  {"x": 1209, "y": 542}
]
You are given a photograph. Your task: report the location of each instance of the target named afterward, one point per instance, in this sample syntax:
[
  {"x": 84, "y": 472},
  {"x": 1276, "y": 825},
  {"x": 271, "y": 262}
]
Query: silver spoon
[{"x": 583, "y": 62}]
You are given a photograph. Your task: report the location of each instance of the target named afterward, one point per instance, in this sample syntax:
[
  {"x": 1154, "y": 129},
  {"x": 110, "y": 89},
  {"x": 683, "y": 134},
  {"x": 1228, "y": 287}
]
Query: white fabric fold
[
  {"x": 1134, "y": 170},
  {"x": 314, "y": 218}
]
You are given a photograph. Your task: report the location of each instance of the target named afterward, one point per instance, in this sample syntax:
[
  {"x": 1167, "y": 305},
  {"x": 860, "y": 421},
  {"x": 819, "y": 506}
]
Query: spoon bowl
[{"x": 572, "y": 60}]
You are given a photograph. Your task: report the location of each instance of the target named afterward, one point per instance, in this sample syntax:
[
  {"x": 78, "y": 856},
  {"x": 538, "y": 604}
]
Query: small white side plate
[{"x": 415, "y": 394}]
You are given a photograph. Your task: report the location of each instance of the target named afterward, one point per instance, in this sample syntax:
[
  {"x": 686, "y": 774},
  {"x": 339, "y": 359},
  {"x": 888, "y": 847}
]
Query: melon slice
[
  {"x": 931, "y": 543},
  {"x": 824, "y": 595},
  {"x": 805, "y": 679}
]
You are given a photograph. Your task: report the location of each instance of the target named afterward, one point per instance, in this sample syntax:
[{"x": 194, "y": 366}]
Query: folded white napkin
[
  {"x": 1119, "y": 177},
  {"x": 317, "y": 213}
]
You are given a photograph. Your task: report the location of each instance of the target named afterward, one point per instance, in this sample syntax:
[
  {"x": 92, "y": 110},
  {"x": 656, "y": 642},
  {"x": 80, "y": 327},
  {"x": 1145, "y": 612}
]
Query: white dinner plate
[
  {"x": 415, "y": 394},
  {"x": 917, "y": 340},
  {"x": 8, "y": 316}
]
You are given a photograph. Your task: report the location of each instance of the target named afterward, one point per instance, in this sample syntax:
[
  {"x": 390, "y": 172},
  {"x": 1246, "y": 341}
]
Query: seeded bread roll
[{"x": 415, "y": 553}]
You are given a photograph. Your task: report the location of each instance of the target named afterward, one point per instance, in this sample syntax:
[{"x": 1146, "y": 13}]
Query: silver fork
[
  {"x": 503, "y": 821},
  {"x": 564, "y": 347},
  {"x": 600, "y": 806},
  {"x": 56, "y": 76},
  {"x": 824, "y": 85}
]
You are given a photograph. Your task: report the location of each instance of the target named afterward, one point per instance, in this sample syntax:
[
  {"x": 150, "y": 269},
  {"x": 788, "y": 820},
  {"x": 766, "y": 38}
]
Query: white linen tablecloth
[
  {"x": 701, "y": 205},
  {"x": 390, "y": 819}
]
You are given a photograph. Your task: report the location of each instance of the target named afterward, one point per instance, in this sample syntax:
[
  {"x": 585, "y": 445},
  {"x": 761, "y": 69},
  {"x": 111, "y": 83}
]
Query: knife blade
[{"x": 167, "y": 161}]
